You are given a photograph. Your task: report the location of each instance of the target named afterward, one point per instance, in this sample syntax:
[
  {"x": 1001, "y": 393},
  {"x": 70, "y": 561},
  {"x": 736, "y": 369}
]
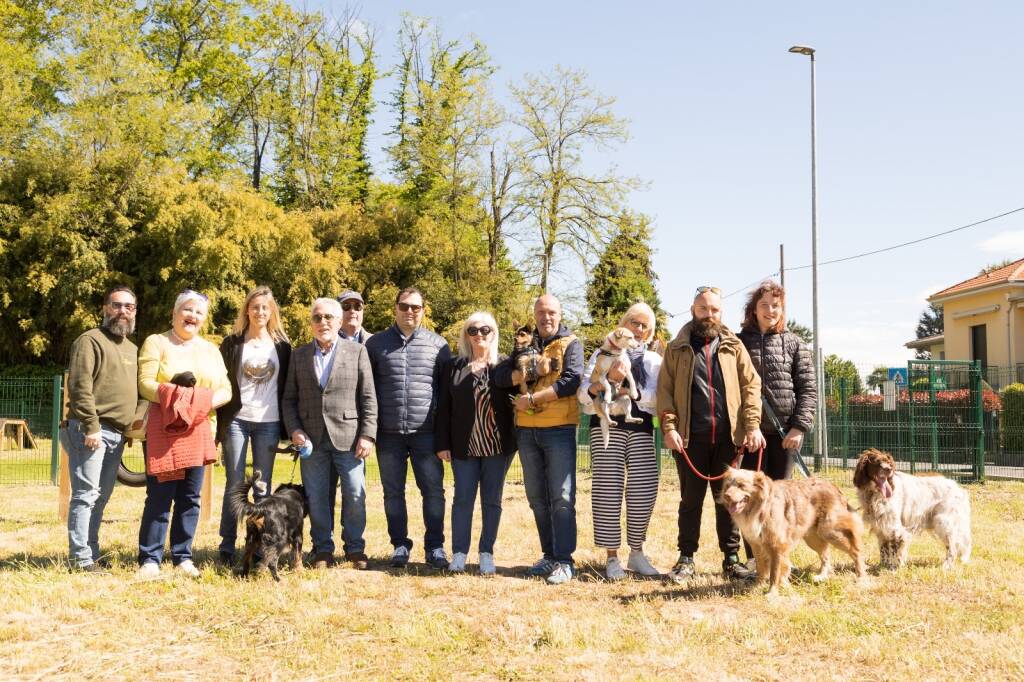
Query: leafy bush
[{"x": 1013, "y": 418}]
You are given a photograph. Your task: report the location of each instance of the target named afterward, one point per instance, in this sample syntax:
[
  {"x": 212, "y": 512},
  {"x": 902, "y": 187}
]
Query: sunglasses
[
  {"x": 324, "y": 317},
  {"x": 714, "y": 290},
  {"x": 482, "y": 331},
  {"x": 127, "y": 307},
  {"x": 194, "y": 293},
  {"x": 351, "y": 306},
  {"x": 406, "y": 307}
]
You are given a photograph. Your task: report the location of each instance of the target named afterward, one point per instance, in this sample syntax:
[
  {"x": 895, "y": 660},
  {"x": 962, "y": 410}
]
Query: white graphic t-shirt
[{"x": 257, "y": 381}]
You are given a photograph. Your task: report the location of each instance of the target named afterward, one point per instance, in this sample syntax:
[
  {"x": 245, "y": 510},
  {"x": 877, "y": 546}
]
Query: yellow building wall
[{"x": 957, "y": 332}]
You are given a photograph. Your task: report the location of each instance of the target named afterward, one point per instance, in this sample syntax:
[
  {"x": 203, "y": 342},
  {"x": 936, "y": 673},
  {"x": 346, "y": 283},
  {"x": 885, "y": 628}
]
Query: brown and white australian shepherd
[
  {"x": 774, "y": 516},
  {"x": 896, "y": 506}
]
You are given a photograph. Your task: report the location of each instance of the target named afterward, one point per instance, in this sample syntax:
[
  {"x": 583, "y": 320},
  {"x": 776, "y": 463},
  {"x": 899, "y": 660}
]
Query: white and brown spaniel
[{"x": 896, "y": 506}]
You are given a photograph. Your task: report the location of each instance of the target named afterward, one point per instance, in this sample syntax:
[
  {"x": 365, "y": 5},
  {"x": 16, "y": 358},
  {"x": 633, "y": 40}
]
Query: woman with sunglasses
[
  {"x": 256, "y": 354},
  {"x": 475, "y": 432},
  {"x": 629, "y": 464},
  {"x": 179, "y": 357}
]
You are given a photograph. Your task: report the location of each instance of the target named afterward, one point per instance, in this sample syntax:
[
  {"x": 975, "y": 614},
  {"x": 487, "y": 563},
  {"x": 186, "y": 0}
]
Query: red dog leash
[{"x": 735, "y": 463}]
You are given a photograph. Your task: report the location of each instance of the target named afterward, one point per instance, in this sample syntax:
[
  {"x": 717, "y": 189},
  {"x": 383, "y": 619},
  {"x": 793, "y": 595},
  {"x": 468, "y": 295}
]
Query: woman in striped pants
[{"x": 629, "y": 464}]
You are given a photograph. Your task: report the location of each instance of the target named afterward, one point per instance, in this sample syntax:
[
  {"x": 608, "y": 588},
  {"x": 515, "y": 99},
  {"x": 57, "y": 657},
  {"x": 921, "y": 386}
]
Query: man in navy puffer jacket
[{"x": 407, "y": 361}]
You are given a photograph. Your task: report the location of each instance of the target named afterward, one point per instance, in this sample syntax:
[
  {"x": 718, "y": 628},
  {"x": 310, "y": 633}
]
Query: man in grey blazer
[{"x": 330, "y": 405}]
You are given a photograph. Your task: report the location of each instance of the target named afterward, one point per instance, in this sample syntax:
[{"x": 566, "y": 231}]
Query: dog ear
[{"x": 860, "y": 474}]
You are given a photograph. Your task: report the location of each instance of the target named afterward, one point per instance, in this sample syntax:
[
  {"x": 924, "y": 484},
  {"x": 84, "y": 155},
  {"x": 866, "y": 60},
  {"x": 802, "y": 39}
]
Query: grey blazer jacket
[{"x": 346, "y": 409}]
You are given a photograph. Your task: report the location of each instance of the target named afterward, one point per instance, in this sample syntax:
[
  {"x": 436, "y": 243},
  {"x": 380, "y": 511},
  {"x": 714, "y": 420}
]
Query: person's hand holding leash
[
  {"x": 754, "y": 441},
  {"x": 793, "y": 440},
  {"x": 444, "y": 455},
  {"x": 674, "y": 441},
  {"x": 363, "y": 448}
]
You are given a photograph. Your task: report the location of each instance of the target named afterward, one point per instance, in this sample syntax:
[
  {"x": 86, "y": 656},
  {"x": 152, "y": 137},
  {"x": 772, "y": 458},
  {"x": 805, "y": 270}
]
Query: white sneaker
[
  {"x": 487, "y": 564},
  {"x": 613, "y": 569},
  {"x": 188, "y": 568},
  {"x": 148, "y": 571},
  {"x": 638, "y": 563},
  {"x": 458, "y": 562}
]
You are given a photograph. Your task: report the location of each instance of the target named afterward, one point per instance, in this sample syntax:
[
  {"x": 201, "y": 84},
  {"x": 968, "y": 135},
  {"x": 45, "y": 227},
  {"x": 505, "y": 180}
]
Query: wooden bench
[{"x": 21, "y": 432}]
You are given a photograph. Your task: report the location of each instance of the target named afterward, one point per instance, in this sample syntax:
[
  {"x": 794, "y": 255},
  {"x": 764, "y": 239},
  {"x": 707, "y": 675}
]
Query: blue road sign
[{"x": 899, "y": 375}]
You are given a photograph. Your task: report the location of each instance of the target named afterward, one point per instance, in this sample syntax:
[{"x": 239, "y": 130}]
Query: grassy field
[{"x": 921, "y": 623}]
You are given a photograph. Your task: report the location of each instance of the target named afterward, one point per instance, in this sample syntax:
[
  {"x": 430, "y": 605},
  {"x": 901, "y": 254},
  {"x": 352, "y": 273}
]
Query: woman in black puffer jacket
[{"x": 787, "y": 378}]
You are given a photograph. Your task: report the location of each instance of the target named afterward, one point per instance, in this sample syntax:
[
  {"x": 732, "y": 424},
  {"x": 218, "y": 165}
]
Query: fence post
[
  {"x": 55, "y": 415},
  {"x": 910, "y": 415},
  {"x": 979, "y": 411},
  {"x": 934, "y": 413}
]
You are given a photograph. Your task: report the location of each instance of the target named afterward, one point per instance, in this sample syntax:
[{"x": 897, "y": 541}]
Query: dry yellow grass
[{"x": 921, "y": 623}]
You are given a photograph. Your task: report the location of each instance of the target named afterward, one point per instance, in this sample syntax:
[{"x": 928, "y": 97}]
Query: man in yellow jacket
[
  {"x": 709, "y": 402},
  {"x": 546, "y": 419}
]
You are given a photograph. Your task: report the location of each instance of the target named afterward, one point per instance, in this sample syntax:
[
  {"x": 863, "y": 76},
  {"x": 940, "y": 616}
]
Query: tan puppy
[
  {"x": 612, "y": 352},
  {"x": 775, "y": 515}
]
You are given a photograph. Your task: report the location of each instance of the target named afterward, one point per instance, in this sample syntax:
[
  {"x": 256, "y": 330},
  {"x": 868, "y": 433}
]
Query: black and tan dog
[
  {"x": 527, "y": 358},
  {"x": 273, "y": 525}
]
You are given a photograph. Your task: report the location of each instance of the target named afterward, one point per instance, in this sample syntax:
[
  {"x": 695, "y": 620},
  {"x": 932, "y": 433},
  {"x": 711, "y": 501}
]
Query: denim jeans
[
  {"x": 548, "y": 456},
  {"x": 156, "y": 512},
  {"x": 393, "y": 451},
  {"x": 487, "y": 474},
  {"x": 93, "y": 475},
  {"x": 265, "y": 437},
  {"x": 316, "y": 478}
]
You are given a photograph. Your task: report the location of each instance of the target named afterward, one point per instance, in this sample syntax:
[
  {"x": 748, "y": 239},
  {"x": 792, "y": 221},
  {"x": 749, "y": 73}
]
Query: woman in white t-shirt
[{"x": 256, "y": 355}]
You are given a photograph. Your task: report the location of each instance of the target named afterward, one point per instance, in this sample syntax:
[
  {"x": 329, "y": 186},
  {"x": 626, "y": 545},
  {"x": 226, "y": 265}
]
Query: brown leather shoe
[
  {"x": 323, "y": 560},
  {"x": 358, "y": 559}
]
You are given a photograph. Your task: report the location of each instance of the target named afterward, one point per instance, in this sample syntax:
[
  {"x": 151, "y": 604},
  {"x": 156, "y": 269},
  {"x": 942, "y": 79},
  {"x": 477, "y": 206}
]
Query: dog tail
[{"x": 238, "y": 496}]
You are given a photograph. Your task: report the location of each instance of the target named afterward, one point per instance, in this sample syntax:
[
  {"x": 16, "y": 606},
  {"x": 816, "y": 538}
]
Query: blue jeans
[
  {"x": 93, "y": 475},
  {"x": 548, "y": 456},
  {"x": 488, "y": 474},
  {"x": 265, "y": 437},
  {"x": 393, "y": 451},
  {"x": 156, "y": 512},
  {"x": 316, "y": 478}
]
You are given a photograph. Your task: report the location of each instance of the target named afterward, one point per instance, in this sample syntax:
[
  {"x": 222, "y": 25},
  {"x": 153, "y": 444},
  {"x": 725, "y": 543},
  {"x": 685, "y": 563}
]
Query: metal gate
[{"x": 946, "y": 418}]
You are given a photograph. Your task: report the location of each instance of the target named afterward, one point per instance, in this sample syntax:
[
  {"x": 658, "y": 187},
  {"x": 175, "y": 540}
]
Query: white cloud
[
  {"x": 359, "y": 29},
  {"x": 1009, "y": 244}
]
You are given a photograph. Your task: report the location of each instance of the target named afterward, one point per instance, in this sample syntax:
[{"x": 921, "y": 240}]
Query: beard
[
  {"x": 118, "y": 326},
  {"x": 707, "y": 328}
]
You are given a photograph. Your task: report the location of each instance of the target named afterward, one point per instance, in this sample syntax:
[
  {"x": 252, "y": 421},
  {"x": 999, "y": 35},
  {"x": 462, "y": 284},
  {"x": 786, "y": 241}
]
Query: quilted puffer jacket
[
  {"x": 406, "y": 372},
  {"x": 787, "y": 376}
]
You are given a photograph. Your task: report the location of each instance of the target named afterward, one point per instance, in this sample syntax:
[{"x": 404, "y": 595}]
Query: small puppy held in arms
[
  {"x": 774, "y": 516},
  {"x": 896, "y": 506},
  {"x": 529, "y": 361},
  {"x": 609, "y": 402},
  {"x": 273, "y": 525}
]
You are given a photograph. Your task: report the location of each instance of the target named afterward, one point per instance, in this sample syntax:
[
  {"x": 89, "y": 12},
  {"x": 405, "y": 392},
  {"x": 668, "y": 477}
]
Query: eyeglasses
[
  {"x": 715, "y": 290},
  {"x": 194, "y": 293},
  {"x": 127, "y": 307},
  {"x": 351, "y": 306},
  {"x": 640, "y": 324},
  {"x": 323, "y": 317},
  {"x": 482, "y": 331},
  {"x": 406, "y": 307}
]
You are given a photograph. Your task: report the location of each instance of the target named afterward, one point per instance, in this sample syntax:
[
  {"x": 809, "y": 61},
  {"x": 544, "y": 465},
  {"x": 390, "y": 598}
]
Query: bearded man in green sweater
[{"x": 103, "y": 397}]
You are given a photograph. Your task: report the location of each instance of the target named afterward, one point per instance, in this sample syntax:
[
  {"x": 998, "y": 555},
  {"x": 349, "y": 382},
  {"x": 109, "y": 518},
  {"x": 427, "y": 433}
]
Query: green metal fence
[{"x": 955, "y": 418}]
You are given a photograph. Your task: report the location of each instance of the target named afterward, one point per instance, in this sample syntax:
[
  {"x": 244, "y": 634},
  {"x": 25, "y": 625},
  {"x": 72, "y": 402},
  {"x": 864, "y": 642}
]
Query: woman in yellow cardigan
[{"x": 161, "y": 358}]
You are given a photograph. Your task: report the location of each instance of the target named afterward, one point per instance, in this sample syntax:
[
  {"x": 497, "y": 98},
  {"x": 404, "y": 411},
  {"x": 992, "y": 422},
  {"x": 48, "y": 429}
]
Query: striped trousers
[{"x": 628, "y": 465}]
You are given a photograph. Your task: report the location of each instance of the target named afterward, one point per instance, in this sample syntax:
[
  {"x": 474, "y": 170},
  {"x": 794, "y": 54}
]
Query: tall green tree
[
  {"x": 931, "y": 323},
  {"x": 838, "y": 370},
  {"x": 624, "y": 274}
]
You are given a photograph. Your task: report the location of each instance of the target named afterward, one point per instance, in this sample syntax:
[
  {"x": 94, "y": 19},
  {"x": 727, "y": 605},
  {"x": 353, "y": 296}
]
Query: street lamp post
[{"x": 820, "y": 438}]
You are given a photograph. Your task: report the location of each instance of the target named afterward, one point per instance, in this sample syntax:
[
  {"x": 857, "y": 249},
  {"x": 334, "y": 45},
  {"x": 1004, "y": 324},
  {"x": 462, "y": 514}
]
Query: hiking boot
[
  {"x": 226, "y": 558},
  {"x": 323, "y": 560},
  {"x": 733, "y": 569},
  {"x": 561, "y": 574},
  {"x": 542, "y": 568},
  {"x": 438, "y": 559},
  {"x": 400, "y": 557},
  {"x": 458, "y": 564},
  {"x": 613, "y": 569},
  {"x": 638, "y": 563},
  {"x": 683, "y": 570},
  {"x": 359, "y": 560}
]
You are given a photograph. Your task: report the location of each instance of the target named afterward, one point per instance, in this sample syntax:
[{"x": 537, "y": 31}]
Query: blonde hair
[
  {"x": 479, "y": 318},
  {"x": 635, "y": 309},
  {"x": 274, "y": 327}
]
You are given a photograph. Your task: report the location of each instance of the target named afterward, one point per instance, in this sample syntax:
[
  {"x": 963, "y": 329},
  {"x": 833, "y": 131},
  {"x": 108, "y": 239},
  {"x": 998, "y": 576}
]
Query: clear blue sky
[{"x": 920, "y": 129}]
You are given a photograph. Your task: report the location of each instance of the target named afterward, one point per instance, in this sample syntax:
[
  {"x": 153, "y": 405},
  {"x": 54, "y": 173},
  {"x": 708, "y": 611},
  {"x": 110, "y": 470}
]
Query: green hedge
[{"x": 1013, "y": 418}]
